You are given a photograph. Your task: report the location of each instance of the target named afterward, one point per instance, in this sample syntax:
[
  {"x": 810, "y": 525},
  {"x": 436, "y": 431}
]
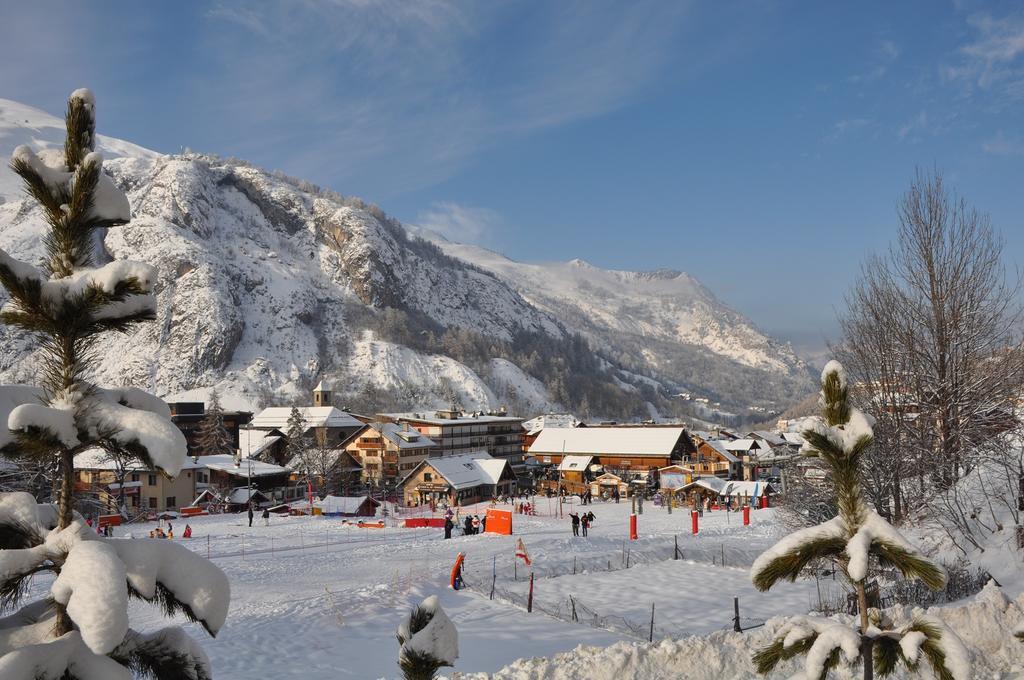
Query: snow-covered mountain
[
  {"x": 267, "y": 283},
  {"x": 676, "y": 326}
]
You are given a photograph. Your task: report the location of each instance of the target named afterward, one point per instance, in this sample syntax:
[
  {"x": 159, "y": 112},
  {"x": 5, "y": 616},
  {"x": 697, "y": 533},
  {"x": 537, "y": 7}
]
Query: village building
[
  {"x": 106, "y": 483},
  {"x": 386, "y": 452},
  {"x": 713, "y": 458},
  {"x": 347, "y": 506},
  {"x": 458, "y": 480},
  {"x": 457, "y": 433},
  {"x": 329, "y": 426},
  {"x": 632, "y": 453}
]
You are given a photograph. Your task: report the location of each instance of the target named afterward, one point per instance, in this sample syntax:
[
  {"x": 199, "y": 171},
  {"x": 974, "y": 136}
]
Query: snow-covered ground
[{"x": 317, "y": 595}]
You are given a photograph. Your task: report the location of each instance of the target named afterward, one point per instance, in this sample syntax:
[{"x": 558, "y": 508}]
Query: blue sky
[{"x": 760, "y": 146}]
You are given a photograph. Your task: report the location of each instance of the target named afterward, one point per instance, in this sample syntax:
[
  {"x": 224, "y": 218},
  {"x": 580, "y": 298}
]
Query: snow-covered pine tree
[
  {"x": 213, "y": 437},
  {"x": 427, "y": 641},
  {"x": 296, "y": 435},
  {"x": 80, "y": 630},
  {"x": 856, "y": 538}
]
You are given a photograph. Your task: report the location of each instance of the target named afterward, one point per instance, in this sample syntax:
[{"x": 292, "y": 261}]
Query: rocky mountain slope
[{"x": 267, "y": 283}]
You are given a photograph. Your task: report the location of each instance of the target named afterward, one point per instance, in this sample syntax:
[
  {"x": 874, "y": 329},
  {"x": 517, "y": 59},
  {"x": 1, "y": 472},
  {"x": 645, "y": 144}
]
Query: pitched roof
[
  {"x": 322, "y": 386},
  {"x": 575, "y": 463},
  {"x": 741, "y": 444},
  {"x": 276, "y": 417},
  {"x": 252, "y": 442},
  {"x": 719, "y": 446},
  {"x": 345, "y": 505},
  {"x": 227, "y": 464},
  {"x": 403, "y": 438},
  {"x": 467, "y": 470},
  {"x": 739, "y": 488},
  {"x": 632, "y": 441},
  {"x": 772, "y": 438}
]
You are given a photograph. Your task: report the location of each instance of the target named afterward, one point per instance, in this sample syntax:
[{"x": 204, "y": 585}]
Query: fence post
[
  {"x": 529, "y": 599},
  {"x": 723, "y": 554},
  {"x": 627, "y": 558},
  {"x": 271, "y": 545},
  {"x": 572, "y": 603},
  {"x": 675, "y": 551},
  {"x": 207, "y": 546},
  {"x": 573, "y": 565},
  {"x": 736, "y": 615},
  {"x": 494, "y": 575},
  {"x": 650, "y": 637}
]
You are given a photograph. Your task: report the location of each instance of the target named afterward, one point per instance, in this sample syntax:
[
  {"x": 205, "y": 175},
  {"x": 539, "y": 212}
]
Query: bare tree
[{"x": 931, "y": 335}]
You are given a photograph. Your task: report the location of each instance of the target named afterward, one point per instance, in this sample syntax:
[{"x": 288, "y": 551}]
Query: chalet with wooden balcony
[{"x": 389, "y": 451}]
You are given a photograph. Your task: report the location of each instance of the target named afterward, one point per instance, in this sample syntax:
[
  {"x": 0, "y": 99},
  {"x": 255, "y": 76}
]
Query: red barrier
[
  {"x": 746, "y": 515},
  {"x": 499, "y": 521},
  {"x": 693, "y": 520},
  {"x": 109, "y": 520},
  {"x": 632, "y": 527},
  {"x": 764, "y": 501},
  {"x": 420, "y": 522}
]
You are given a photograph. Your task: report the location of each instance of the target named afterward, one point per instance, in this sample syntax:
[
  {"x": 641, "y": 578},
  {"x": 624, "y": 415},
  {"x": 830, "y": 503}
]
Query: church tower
[{"x": 323, "y": 395}]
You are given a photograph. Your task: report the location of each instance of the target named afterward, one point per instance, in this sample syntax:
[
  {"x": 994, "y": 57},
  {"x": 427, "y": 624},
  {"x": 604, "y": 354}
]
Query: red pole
[
  {"x": 529, "y": 600},
  {"x": 746, "y": 515},
  {"x": 693, "y": 520},
  {"x": 632, "y": 527}
]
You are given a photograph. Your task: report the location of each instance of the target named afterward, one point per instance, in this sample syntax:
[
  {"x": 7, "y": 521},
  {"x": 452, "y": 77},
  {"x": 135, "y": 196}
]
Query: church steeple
[{"x": 323, "y": 395}]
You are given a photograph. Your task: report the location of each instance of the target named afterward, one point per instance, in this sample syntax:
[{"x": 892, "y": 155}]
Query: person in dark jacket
[
  {"x": 266, "y": 517},
  {"x": 250, "y": 514},
  {"x": 448, "y": 526},
  {"x": 468, "y": 529},
  {"x": 575, "y": 523},
  {"x": 585, "y": 523}
]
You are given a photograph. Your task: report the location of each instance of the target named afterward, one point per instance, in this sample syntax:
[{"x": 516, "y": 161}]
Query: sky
[{"x": 760, "y": 146}]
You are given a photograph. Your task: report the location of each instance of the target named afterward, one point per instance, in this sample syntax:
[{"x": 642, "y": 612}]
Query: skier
[
  {"x": 250, "y": 514},
  {"x": 266, "y": 517},
  {"x": 448, "y": 526},
  {"x": 575, "y": 523},
  {"x": 188, "y": 532}
]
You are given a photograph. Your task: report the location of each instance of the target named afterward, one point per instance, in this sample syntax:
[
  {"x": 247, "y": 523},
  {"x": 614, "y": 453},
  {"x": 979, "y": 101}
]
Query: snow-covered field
[{"x": 316, "y": 596}]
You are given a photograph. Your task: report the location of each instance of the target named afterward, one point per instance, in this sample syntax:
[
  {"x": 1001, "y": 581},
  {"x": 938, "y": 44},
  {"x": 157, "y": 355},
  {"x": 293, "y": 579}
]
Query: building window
[
  {"x": 172, "y": 502},
  {"x": 134, "y": 501},
  {"x": 135, "y": 477},
  {"x": 427, "y": 477},
  {"x": 152, "y": 503},
  {"x": 152, "y": 480}
]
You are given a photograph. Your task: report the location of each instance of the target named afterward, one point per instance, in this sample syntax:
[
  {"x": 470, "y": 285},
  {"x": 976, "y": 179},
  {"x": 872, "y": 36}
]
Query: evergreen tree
[
  {"x": 427, "y": 641},
  {"x": 213, "y": 436},
  {"x": 80, "y": 631},
  {"x": 857, "y": 538},
  {"x": 296, "y": 435}
]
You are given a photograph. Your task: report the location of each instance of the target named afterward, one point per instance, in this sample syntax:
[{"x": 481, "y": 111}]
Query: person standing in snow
[
  {"x": 266, "y": 517},
  {"x": 585, "y": 523},
  {"x": 468, "y": 527},
  {"x": 575, "y": 523},
  {"x": 483, "y": 524},
  {"x": 250, "y": 514},
  {"x": 448, "y": 526},
  {"x": 188, "y": 532},
  {"x": 476, "y": 524}
]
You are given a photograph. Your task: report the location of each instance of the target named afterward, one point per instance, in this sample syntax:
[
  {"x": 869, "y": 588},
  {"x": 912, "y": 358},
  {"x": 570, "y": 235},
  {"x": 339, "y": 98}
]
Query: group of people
[
  {"x": 472, "y": 525},
  {"x": 160, "y": 533},
  {"x": 578, "y": 520},
  {"x": 525, "y": 509},
  {"x": 266, "y": 516}
]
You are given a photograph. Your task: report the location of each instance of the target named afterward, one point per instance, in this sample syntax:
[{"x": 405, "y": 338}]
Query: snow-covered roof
[
  {"x": 438, "y": 418},
  {"x": 772, "y": 438},
  {"x": 631, "y": 441},
  {"x": 467, "y": 470},
  {"x": 227, "y": 464},
  {"x": 242, "y": 495},
  {"x": 710, "y": 483},
  {"x": 322, "y": 386},
  {"x": 535, "y": 425},
  {"x": 719, "y": 446},
  {"x": 229, "y": 401},
  {"x": 741, "y": 444},
  {"x": 98, "y": 459},
  {"x": 403, "y": 438},
  {"x": 575, "y": 463},
  {"x": 793, "y": 438},
  {"x": 252, "y": 442},
  {"x": 738, "y": 488},
  {"x": 276, "y": 417},
  {"x": 345, "y": 505}
]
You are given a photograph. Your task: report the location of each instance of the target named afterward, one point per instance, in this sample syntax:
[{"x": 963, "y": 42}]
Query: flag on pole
[{"x": 521, "y": 552}]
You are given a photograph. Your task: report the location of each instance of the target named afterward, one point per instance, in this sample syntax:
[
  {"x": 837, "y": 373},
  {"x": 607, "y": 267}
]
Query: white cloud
[
  {"x": 460, "y": 223},
  {"x": 993, "y": 59},
  {"x": 1004, "y": 145}
]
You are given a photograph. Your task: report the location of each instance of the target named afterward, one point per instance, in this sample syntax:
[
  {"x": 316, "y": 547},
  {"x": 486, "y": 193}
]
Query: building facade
[{"x": 456, "y": 433}]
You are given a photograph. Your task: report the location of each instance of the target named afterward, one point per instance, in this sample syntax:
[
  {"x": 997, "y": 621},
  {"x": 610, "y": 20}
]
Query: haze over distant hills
[{"x": 268, "y": 283}]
